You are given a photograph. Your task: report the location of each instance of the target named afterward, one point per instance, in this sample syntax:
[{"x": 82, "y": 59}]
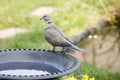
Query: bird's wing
[
  {"x": 61, "y": 33},
  {"x": 72, "y": 44},
  {"x": 54, "y": 37}
]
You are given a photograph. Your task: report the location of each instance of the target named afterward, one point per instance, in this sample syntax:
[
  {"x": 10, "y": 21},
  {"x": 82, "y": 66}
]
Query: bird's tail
[{"x": 76, "y": 48}]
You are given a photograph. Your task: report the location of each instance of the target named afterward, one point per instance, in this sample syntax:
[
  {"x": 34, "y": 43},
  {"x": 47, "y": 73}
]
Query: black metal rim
[{"x": 46, "y": 76}]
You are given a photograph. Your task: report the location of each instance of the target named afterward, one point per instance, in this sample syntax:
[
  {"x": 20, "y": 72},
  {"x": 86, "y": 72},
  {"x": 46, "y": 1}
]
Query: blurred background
[{"x": 93, "y": 25}]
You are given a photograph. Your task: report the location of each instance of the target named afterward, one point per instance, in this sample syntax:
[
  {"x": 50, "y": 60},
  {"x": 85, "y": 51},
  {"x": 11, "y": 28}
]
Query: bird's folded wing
[
  {"x": 61, "y": 33},
  {"x": 54, "y": 36}
]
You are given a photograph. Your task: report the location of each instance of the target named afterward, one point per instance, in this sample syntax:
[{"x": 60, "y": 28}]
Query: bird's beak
[{"x": 41, "y": 18}]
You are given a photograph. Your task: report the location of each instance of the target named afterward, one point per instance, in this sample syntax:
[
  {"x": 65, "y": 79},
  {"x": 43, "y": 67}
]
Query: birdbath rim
[{"x": 55, "y": 63}]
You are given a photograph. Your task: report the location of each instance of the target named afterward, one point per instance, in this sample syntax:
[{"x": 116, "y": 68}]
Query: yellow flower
[
  {"x": 92, "y": 78},
  {"x": 85, "y": 77},
  {"x": 71, "y": 78}
]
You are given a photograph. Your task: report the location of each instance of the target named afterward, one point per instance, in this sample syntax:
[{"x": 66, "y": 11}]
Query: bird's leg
[
  {"x": 63, "y": 50},
  {"x": 53, "y": 49}
]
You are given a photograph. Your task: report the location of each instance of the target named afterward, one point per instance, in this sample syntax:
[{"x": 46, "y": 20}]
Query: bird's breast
[{"x": 49, "y": 36}]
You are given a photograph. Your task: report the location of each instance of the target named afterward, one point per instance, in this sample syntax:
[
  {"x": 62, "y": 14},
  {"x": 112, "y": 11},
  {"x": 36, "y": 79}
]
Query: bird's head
[{"x": 45, "y": 17}]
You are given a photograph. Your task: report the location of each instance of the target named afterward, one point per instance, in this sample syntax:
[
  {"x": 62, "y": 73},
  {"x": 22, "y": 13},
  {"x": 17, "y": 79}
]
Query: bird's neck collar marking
[{"x": 49, "y": 22}]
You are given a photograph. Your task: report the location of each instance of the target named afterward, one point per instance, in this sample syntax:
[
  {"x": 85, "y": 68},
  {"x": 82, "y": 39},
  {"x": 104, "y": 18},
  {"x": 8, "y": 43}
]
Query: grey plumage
[{"x": 56, "y": 37}]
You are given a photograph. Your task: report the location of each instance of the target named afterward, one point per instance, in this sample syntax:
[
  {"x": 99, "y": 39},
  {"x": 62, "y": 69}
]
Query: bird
[{"x": 55, "y": 36}]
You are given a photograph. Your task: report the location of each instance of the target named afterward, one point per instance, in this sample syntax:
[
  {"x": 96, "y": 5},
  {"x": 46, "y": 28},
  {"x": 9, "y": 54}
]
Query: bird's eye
[{"x": 44, "y": 16}]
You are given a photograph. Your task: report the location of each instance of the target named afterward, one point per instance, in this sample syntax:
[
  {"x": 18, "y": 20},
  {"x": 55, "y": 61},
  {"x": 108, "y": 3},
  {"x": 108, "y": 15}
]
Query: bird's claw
[{"x": 62, "y": 52}]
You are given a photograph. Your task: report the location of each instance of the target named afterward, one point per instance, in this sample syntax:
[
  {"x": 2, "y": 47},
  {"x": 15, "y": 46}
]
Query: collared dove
[{"x": 55, "y": 37}]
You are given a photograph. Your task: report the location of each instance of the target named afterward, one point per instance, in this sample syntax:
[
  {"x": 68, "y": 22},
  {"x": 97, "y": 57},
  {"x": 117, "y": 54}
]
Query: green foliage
[
  {"x": 16, "y": 13},
  {"x": 92, "y": 71},
  {"x": 28, "y": 40}
]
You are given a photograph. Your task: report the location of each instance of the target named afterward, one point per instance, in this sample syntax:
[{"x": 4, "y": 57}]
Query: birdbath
[{"x": 35, "y": 64}]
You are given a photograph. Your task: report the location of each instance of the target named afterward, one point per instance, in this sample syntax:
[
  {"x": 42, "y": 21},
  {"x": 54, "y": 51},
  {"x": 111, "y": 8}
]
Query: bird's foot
[
  {"x": 53, "y": 51},
  {"x": 63, "y": 52}
]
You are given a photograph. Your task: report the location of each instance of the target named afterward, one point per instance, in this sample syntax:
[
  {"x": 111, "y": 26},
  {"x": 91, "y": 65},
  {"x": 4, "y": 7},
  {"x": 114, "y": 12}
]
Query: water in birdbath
[{"x": 23, "y": 72}]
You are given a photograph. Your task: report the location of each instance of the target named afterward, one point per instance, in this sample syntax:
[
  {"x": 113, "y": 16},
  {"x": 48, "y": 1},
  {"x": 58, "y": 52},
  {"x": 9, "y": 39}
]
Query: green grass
[
  {"x": 70, "y": 14},
  {"x": 15, "y": 13},
  {"x": 92, "y": 71},
  {"x": 16, "y": 16},
  {"x": 36, "y": 27}
]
